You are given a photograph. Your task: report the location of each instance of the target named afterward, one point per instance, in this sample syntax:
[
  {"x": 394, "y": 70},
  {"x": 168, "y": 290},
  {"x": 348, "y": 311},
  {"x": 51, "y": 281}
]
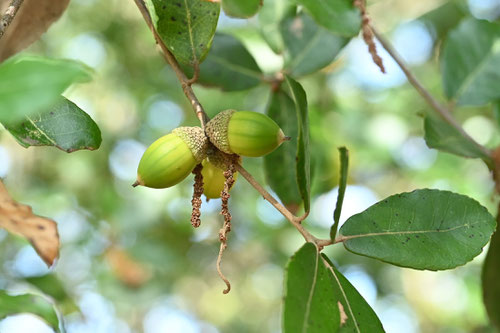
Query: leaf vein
[
  {"x": 41, "y": 131},
  {"x": 300, "y": 56},
  {"x": 344, "y": 238},
  {"x": 343, "y": 294},
  {"x": 190, "y": 30},
  {"x": 236, "y": 68},
  {"x": 311, "y": 293}
]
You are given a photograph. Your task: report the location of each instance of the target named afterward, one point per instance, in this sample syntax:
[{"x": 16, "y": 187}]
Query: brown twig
[
  {"x": 9, "y": 15},
  {"x": 321, "y": 243},
  {"x": 197, "y": 192},
  {"x": 169, "y": 57},
  {"x": 433, "y": 103},
  {"x": 368, "y": 34},
  {"x": 196, "y": 74}
]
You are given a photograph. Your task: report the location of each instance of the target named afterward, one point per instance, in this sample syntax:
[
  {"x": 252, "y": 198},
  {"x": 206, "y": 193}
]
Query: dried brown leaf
[
  {"x": 126, "y": 269},
  {"x": 41, "y": 232},
  {"x": 31, "y": 21}
]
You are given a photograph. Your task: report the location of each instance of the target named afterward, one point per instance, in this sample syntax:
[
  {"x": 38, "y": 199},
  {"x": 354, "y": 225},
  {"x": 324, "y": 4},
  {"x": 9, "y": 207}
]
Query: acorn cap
[
  {"x": 196, "y": 140},
  {"x": 221, "y": 159},
  {"x": 217, "y": 128}
]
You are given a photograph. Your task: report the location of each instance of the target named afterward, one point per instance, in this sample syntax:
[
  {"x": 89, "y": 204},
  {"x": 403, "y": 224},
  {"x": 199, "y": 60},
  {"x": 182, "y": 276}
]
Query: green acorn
[
  {"x": 245, "y": 133},
  {"x": 172, "y": 157},
  {"x": 213, "y": 179}
]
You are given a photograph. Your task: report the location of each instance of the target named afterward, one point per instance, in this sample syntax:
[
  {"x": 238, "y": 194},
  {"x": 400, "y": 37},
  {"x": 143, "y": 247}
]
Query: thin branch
[
  {"x": 9, "y": 15},
  {"x": 321, "y": 243},
  {"x": 294, "y": 220},
  {"x": 196, "y": 74},
  {"x": 169, "y": 57},
  {"x": 433, "y": 103}
]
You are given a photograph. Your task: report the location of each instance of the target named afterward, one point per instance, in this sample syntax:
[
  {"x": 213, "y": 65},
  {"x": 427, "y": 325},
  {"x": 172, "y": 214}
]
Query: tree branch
[
  {"x": 9, "y": 15},
  {"x": 170, "y": 58},
  {"x": 433, "y": 103}
]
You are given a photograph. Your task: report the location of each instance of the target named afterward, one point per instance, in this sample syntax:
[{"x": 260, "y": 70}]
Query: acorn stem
[
  {"x": 287, "y": 138},
  {"x": 137, "y": 183}
]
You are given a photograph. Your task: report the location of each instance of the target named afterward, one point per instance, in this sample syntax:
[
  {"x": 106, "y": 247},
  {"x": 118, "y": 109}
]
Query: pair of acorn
[{"x": 173, "y": 157}]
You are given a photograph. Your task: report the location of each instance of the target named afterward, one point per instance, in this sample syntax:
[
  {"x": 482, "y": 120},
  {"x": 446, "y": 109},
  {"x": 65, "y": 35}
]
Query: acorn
[
  {"x": 213, "y": 179},
  {"x": 245, "y": 133},
  {"x": 172, "y": 157}
]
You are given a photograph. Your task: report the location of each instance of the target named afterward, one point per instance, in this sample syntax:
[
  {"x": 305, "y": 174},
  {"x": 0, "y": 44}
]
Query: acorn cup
[
  {"x": 213, "y": 179},
  {"x": 245, "y": 133},
  {"x": 172, "y": 158}
]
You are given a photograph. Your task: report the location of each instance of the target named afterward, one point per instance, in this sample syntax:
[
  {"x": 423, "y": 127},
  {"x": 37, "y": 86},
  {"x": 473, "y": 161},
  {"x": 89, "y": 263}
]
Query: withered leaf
[
  {"x": 41, "y": 232},
  {"x": 125, "y": 268},
  {"x": 31, "y": 21}
]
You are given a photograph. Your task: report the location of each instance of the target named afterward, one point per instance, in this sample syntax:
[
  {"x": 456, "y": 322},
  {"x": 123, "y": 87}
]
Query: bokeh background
[{"x": 130, "y": 260}]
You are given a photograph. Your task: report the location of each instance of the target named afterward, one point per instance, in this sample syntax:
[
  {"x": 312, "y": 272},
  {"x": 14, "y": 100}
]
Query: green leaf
[
  {"x": 490, "y": 276},
  {"x": 443, "y": 18},
  {"x": 229, "y": 65},
  {"x": 470, "y": 62},
  {"x": 10, "y": 305},
  {"x": 280, "y": 176},
  {"x": 344, "y": 164},
  {"x": 338, "y": 16},
  {"x": 64, "y": 126},
  {"x": 187, "y": 27},
  {"x": 441, "y": 135},
  {"x": 241, "y": 8},
  {"x": 303, "y": 164},
  {"x": 308, "y": 47},
  {"x": 310, "y": 303},
  {"x": 318, "y": 298},
  {"x": 50, "y": 285},
  {"x": 423, "y": 229},
  {"x": 359, "y": 316},
  {"x": 29, "y": 84},
  {"x": 271, "y": 15}
]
